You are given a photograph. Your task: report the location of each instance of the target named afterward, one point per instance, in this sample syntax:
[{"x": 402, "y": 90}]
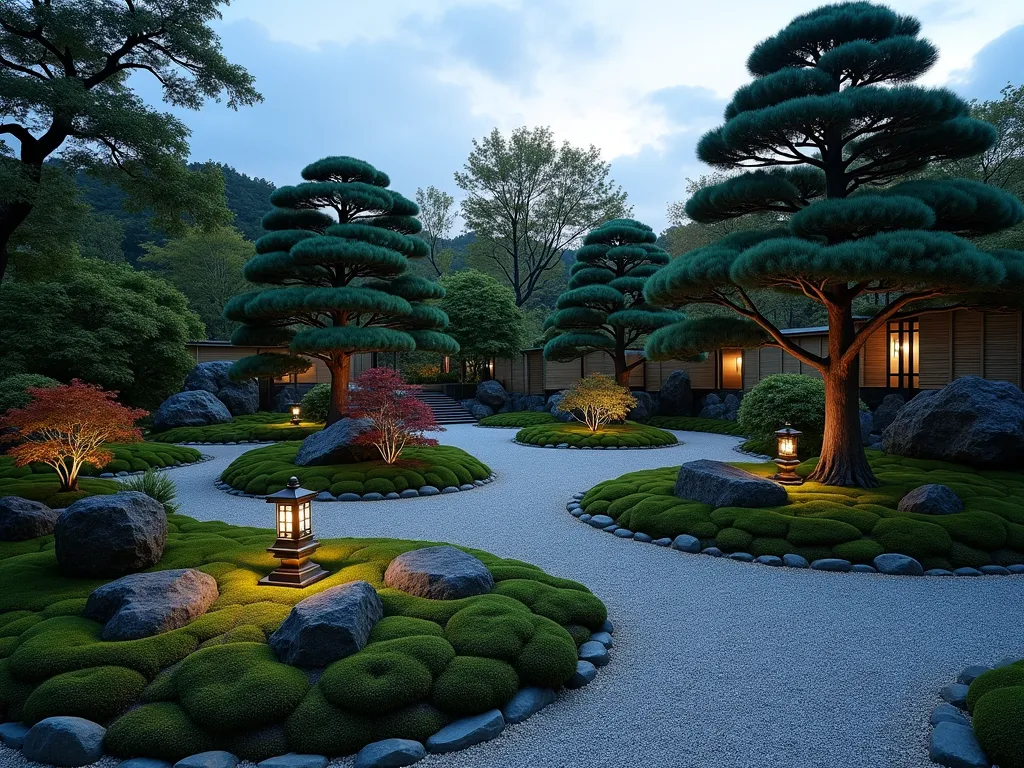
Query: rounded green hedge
[
  {"x": 216, "y": 684},
  {"x": 267, "y": 470},
  {"x": 821, "y": 521},
  {"x": 517, "y": 419},
  {"x": 696, "y": 424},
  {"x": 627, "y": 435},
  {"x": 996, "y": 700},
  {"x": 259, "y": 427}
]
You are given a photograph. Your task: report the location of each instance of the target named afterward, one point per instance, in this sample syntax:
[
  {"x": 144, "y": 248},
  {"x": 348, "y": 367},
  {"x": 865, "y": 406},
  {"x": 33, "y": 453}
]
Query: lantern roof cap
[
  {"x": 788, "y": 430},
  {"x": 292, "y": 492}
]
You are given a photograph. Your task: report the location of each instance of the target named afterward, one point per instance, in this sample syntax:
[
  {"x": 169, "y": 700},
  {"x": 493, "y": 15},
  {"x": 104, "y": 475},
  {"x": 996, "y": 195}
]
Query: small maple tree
[
  {"x": 66, "y": 427},
  {"x": 399, "y": 417},
  {"x": 599, "y": 399}
]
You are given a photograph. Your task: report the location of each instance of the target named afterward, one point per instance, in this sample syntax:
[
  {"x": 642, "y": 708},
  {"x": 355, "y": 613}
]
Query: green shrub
[
  {"x": 98, "y": 694},
  {"x": 157, "y": 485},
  {"x": 626, "y": 435},
  {"x": 259, "y": 427},
  {"x": 696, "y": 424},
  {"x": 1000, "y": 677},
  {"x": 12, "y": 389},
  {"x": 517, "y": 419},
  {"x": 859, "y": 551},
  {"x": 734, "y": 540},
  {"x": 911, "y": 537},
  {"x": 162, "y": 731},
  {"x": 999, "y": 725},
  {"x": 471, "y": 685},
  {"x": 316, "y": 403},
  {"x": 394, "y": 627}
]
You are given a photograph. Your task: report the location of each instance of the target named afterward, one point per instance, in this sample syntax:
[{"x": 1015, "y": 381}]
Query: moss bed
[
  {"x": 996, "y": 702},
  {"x": 821, "y": 521},
  {"x": 267, "y": 470},
  {"x": 39, "y": 482},
  {"x": 518, "y": 419},
  {"x": 259, "y": 428},
  {"x": 696, "y": 424},
  {"x": 215, "y": 683},
  {"x": 578, "y": 435}
]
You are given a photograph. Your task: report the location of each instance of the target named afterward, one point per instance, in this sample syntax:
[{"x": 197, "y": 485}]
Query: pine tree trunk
[
  {"x": 341, "y": 371},
  {"x": 621, "y": 373}
]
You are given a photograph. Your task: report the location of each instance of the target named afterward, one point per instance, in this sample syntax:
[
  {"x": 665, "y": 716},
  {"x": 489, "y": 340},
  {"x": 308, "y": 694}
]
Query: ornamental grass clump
[
  {"x": 399, "y": 417},
  {"x": 66, "y": 427},
  {"x": 158, "y": 486},
  {"x": 595, "y": 400}
]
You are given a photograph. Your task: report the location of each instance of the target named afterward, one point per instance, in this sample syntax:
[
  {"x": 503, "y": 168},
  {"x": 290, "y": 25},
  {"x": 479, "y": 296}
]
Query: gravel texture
[{"x": 715, "y": 663}]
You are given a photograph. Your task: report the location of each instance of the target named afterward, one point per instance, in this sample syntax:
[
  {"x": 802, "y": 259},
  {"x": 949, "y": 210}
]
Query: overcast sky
[{"x": 407, "y": 84}]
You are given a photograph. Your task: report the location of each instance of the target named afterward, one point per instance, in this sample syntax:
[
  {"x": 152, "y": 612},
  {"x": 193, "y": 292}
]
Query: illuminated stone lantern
[
  {"x": 295, "y": 541},
  {"x": 787, "y": 461},
  {"x": 296, "y": 412}
]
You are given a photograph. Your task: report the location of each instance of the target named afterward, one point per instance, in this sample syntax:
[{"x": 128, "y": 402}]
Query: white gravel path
[{"x": 717, "y": 664}]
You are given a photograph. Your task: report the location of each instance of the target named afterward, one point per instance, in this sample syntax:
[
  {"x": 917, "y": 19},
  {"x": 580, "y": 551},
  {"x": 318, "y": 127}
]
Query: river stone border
[
  {"x": 954, "y": 744},
  {"x": 691, "y": 545},
  {"x": 114, "y": 475},
  {"x": 408, "y": 493},
  {"x": 456, "y": 736},
  {"x": 566, "y": 446}
]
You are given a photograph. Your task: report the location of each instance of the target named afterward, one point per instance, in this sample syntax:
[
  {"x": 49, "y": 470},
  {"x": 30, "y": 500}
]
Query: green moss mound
[
  {"x": 821, "y": 521},
  {"x": 696, "y": 424},
  {"x": 627, "y": 435},
  {"x": 518, "y": 419},
  {"x": 261, "y": 427},
  {"x": 266, "y": 470},
  {"x": 996, "y": 700},
  {"x": 216, "y": 684}
]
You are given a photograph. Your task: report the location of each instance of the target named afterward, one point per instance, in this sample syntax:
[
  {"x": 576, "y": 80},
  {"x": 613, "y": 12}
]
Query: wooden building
[{"x": 924, "y": 353}]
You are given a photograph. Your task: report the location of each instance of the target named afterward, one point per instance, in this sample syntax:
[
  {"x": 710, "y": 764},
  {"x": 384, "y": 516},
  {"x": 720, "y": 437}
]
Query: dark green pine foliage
[
  {"x": 826, "y": 132},
  {"x": 341, "y": 283},
  {"x": 604, "y": 309}
]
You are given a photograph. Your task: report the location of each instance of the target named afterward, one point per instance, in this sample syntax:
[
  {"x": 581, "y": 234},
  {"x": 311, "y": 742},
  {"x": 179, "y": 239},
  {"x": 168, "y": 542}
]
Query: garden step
[{"x": 445, "y": 409}]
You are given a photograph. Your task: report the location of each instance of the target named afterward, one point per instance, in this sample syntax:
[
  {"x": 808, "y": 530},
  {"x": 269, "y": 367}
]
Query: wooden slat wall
[
  {"x": 637, "y": 380},
  {"x": 702, "y": 375},
  {"x": 816, "y": 344},
  {"x": 935, "y": 350},
  {"x": 751, "y": 362},
  {"x": 535, "y": 371},
  {"x": 596, "y": 362},
  {"x": 873, "y": 363},
  {"x": 561, "y": 375},
  {"x": 1002, "y": 333},
  {"x": 503, "y": 374},
  {"x": 968, "y": 343},
  {"x": 518, "y": 374}
]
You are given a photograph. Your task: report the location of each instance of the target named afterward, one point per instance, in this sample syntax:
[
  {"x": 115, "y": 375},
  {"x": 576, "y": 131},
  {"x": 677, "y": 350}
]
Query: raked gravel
[{"x": 716, "y": 664}]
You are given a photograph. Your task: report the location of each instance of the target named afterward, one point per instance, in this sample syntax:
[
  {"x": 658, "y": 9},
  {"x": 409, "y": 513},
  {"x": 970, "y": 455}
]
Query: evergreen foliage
[
  {"x": 483, "y": 318},
  {"x": 341, "y": 283},
  {"x": 604, "y": 309},
  {"x": 827, "y": 132}
]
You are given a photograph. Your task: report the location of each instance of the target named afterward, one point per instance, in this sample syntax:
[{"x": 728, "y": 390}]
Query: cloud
[{"x": 994, "y": 65}]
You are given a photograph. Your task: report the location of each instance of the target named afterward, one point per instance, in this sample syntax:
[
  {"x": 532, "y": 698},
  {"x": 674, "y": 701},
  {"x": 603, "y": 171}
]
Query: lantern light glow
[
  {"x": 295, "y": 541},
  {"x": 296, "y": 412},
  {"x": 787, "y": 461}
]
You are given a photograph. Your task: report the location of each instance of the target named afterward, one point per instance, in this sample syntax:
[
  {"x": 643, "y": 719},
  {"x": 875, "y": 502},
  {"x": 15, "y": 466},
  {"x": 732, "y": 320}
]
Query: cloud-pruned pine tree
[
  {"x": 825, "y": 132},
  {"x": 340, "y": 280},
  {"x": 604, "y": 309}
]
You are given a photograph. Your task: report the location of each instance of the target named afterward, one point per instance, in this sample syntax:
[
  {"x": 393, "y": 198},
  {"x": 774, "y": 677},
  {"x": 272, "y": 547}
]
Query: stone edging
[
  {"x": 231, "y": 442},
  {"x": 459, "y": 735},
  {"x": 115, "y": 475},
  {"x": 952, "y": 742},
  {"x": 408, "y": 493},
  {"x": 692, "y": 545},
  {"x": 566, "y": 446},
  {"x": 495, "y": 426}
]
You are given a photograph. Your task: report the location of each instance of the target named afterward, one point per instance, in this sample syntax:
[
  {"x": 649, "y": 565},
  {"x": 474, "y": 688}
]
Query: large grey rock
[
  {"x": 64, "y": 741},
  {"x": 328, "y": 626},
  {"x": 143, "y": 762},
  {"x": 292, "y": 760},
  {"x": 23, "y": 519},
  {"x": 954, "y": 745},
  {"x": 947, "y": 713},
  {"x": 931, "y": 499},
  {"x": 684, "y": 542},
  {"x": 896, "y": 564},
  {"x": 643, "y": 409},
  {"x": 552, "y": 407},
  {"x": 480, "y": 411},
  {"x": 527, "y": 402},
  {"x": 336, "y": 444},
  {"x": 722, "y": 485},
  {"x": 390, "y": 753},
  {"x": 732, "y": 405},
  {"x": 13, "y": 734},
  {"x": 190, "y": 409},
  {"x": 971, "y": 421},
  {"x": 526, "y": 703},
  {"x": 865, "y": 427},
  {"x": 110, "y": 535},
  {"x": 467, "y": 732},
  {"x": 242, "y": 398},
  {"x": 145, "y": 604},
  {"x": 712, "y": 411},
  {"x": 209, "y": 376},
  {"x": 213, "y": 759},
  {"x": 491, "y": 394},
  {"x": 286, "y": 398},
  {"x": 439, "y": 573},
  {"x": 676, "y": 397},
  {"x": 955, "y": 694},
  {"x": 886, "y": 412}
]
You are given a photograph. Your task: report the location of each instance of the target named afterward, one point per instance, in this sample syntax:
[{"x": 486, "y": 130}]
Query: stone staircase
[{"x": 446, "y": 410}]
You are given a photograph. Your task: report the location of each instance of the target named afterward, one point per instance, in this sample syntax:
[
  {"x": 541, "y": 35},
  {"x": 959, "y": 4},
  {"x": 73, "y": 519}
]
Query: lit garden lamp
[
  {"x": 295, "y": 541},
  {"x": 787, "y": 460},
  {"x": 296, "y": 412}
]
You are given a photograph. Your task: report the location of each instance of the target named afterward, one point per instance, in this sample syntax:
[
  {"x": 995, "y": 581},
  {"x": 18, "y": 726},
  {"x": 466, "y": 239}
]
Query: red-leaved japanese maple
[
  {"x": 66, "y": 427},
  {"x": 399, "y": 417}
]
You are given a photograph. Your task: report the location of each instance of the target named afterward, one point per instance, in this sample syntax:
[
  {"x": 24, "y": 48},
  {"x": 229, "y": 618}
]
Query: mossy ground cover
[
  {"x": 267, "y": 470},
  {"x": 626, "y": 435},
  {"x": 996, "y": 701},
  {"x": 823, "y": 521},
  {"x": 262, "y": 427},
  {"x": 215, "y": 684},
  {"x": 39, "y": 482},
  {"x": 518, "y": 419},
  {"x": 697, "y": 424}
]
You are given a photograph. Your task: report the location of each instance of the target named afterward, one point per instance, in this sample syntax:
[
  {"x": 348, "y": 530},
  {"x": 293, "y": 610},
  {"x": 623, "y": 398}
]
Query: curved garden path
[{"x": 716, "y": 663}]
